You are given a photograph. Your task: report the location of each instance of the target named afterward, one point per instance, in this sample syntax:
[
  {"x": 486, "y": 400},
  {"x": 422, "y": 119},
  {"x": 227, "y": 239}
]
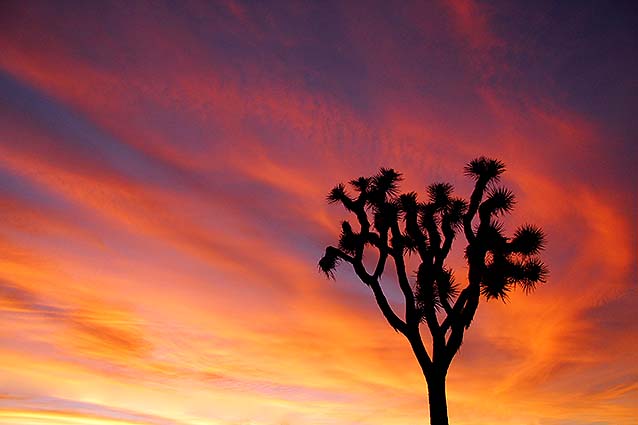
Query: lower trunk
[{"x": 437, "y": 400}]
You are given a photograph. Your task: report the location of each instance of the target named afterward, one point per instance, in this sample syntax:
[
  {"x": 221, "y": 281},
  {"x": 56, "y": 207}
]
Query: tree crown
[{"x": 399, "y": 224}]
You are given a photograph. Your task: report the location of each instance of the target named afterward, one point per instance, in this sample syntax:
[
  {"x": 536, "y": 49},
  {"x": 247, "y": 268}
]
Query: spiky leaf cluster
[
  {"x": 338, "y": 194},
  {"x": 408, "y": 204},
  {"x": 455, "y": 211},
  {"x": 361, "y": 184},
  {"x": 506, "y": 272},
  {"x": 528, "y": 240},
  {"x": 499, "y": 201},
  {"x": 372, "y": 193},
  {"x": 486, "y": 169},
  {"x": 443, "y": 214},
  {"x": 348, "y": 240},
  {"x": 329, "y": 262},
  {"x": 384, "y": 187},
  {"x": 511, "y": 263},
  {"x": 432, "y": 289},
  {"x": 384, "y": 215},
  {"x": 440, "y": 194},
  {"x": 404, "y": 224}
]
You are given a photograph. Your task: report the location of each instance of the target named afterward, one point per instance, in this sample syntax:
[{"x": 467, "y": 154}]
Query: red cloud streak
[{"x": 162, "y": 187}]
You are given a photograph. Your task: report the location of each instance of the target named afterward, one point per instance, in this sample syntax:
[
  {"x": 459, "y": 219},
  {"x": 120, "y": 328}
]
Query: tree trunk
[{"x": 437, "y": 399}]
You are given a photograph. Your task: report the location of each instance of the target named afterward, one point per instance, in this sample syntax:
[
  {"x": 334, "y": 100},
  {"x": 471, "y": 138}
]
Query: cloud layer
[{"x": 163, "y": 171}]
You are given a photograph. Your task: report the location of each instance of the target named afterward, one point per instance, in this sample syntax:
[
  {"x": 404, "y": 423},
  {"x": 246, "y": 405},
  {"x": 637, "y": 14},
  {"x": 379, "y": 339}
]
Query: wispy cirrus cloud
[{"x": 163, "y": 183}]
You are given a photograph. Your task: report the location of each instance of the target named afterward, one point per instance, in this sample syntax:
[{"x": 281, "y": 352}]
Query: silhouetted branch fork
[
  {"x": 402, "y": 277},
  {"x": 400, "y": 225},
  {"x": 373, "y": 282}
]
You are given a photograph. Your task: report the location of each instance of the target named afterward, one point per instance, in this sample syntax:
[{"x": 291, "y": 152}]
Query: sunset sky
[{"x": 163, "y": 173}]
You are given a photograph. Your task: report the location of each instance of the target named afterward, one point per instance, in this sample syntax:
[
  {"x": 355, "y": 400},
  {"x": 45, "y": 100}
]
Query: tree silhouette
[{"x": 397, "y": 225}]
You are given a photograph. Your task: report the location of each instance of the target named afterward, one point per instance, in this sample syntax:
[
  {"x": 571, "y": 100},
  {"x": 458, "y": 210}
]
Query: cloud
[
  {"x": 89, "y": 332},
  {"x": 163, "y": 200},
  {"x": 24, "y": 409}
]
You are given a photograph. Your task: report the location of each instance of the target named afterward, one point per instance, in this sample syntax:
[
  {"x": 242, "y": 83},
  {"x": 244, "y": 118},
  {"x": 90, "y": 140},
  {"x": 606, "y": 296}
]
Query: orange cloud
[{"x": 164, "y": 210}]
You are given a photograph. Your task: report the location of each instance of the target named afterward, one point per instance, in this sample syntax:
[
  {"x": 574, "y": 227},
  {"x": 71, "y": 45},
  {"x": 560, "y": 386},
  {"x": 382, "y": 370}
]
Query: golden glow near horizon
[{"x": 162, "y": 197}]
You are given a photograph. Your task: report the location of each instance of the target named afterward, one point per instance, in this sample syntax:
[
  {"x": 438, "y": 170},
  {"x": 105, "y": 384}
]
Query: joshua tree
[{"x": 397, "y": 225}]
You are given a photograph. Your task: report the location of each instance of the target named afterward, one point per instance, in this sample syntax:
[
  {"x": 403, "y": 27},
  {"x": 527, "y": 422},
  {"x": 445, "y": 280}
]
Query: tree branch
[
  {"x": 429, "y": 312},
  {"x": 454, "y": 343},
  {"x": 448, "y": 233},
  {"x": 358, "y": 208},
  {"x": 381, "y": 243},
  {"x": 413, "y": 230},
  {"x": 462, "y": 322},
  {"x": 397, "y": 254},
  {"x": 358, "y": 267},
  {"x": 455, "y": 310},
  {"x": 431, "y": 227},
  {"x": 475, "y": 200},
  {"x": 394, "y": 320},
  {"x": 421, "y": 354}
]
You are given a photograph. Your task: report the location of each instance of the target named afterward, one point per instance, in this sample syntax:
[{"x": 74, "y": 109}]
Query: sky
[{"x": 163, "y": 173}]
